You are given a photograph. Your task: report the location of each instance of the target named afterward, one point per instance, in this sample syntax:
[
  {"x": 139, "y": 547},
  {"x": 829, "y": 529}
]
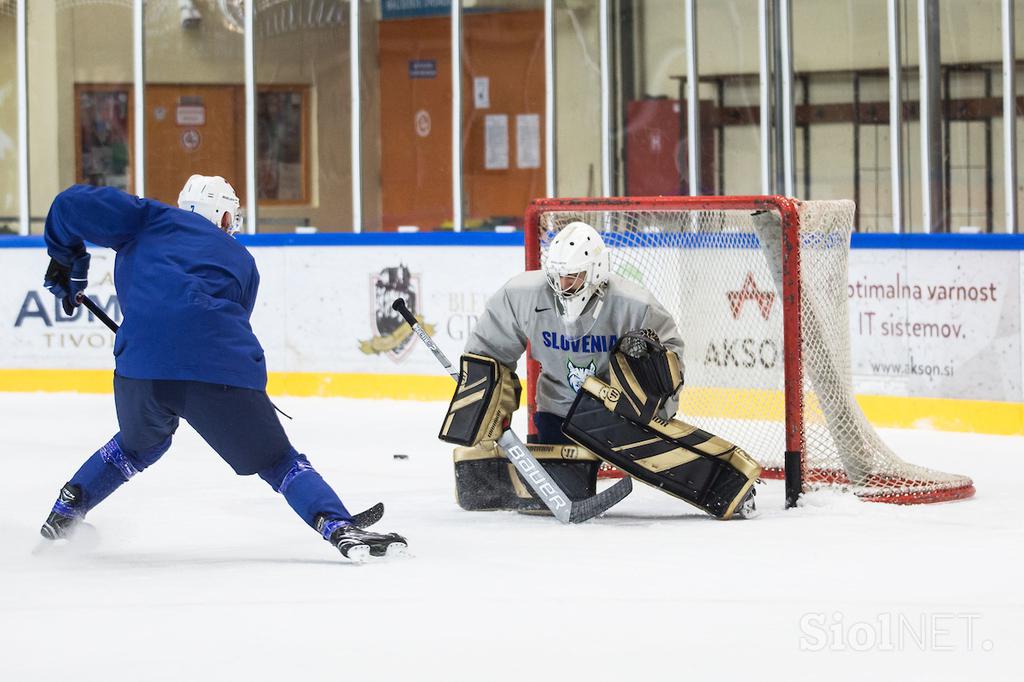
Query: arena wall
[{"x": 935, "y": 321}]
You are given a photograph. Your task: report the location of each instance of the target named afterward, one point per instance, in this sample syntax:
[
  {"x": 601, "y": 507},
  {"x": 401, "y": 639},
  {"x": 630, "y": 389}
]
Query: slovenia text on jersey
[{"x": 591, "y": 343}]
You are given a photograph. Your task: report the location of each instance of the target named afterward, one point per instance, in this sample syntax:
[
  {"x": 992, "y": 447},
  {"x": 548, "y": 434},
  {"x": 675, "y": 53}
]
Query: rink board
[{"x": 935, "y": 321}]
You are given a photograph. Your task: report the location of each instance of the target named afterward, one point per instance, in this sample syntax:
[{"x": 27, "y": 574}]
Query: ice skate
[
  {"x": 64, "y": 518},
  {"x": 357, "y": 545},
  {"x": 747, "y": 509}
]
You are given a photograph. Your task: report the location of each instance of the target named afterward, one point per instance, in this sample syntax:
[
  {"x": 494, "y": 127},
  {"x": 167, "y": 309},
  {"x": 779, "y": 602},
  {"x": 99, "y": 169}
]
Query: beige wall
[{"x": 578, "y": 87}]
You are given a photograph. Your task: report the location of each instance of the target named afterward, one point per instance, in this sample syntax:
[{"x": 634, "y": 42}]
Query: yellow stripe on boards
[
  {"x": 943, "y": 414},
  {"x": 57, "y": 380}
]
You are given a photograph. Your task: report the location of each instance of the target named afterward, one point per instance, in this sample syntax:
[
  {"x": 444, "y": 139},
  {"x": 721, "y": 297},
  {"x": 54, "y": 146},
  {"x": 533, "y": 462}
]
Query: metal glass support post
[
  {"x": 355, "y": 115},
  {"x": 692, "y": 101},
  {"x": 786, "y": 76},
  {"x": 139, "y": 96},
  {"x": 456, "y": 21},
  {"x": 895, "y": 115},
  {"x": 21, "y": 17},
  {"x": 250, "y": 119},
  {"x": 606, "y": 98},
  {"x": 1009, "y": 118},
  {"x": 765, "y": 95},
  {"x": 550, "y": 121},
  {"x": 931, "y": 133}
]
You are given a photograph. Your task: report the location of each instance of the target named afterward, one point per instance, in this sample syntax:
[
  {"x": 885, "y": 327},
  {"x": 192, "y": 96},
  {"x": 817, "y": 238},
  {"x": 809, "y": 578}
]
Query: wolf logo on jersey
[{"x": 577, "y": 375}]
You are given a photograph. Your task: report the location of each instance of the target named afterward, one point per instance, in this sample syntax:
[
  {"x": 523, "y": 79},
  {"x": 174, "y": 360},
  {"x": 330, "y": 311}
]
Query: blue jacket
[{"x": 185, "y": 287}]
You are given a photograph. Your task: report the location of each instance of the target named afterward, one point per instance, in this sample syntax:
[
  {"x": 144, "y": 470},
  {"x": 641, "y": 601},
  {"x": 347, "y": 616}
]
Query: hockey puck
[{"x": 400, "y": 456}]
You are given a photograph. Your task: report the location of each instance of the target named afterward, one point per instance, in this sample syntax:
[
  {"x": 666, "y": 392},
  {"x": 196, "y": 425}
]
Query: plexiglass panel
[
  {"x": 502, "y": 112},
  {"x": 840, "y": 59},
  {"x": 79, "y": 73},
  {"x": 195, "y": 96},
  {"x": 303, "y": 145},
  {"x": 9, "y": 206}
]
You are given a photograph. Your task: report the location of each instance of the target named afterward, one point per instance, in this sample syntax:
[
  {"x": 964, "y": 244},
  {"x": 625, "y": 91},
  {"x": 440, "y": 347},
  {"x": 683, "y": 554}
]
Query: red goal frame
[{"x": 788, "y": 210}]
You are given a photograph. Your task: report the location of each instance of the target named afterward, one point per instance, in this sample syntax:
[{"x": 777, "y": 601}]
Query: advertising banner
[
  {"x": 943, "y": 324},
  {"x": 923, "y": 323}
]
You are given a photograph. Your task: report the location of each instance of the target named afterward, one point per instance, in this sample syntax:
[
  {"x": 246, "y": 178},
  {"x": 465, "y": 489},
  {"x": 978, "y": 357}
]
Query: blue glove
[{"x": 66, "y": 282}]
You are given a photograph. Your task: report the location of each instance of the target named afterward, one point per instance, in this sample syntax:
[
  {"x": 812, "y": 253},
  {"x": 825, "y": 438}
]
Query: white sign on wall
[{"x": 936, "y": 323}]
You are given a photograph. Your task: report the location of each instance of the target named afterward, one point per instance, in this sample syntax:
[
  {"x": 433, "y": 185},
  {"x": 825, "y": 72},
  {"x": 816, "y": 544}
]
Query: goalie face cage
[{"x": 758, "y": 288}]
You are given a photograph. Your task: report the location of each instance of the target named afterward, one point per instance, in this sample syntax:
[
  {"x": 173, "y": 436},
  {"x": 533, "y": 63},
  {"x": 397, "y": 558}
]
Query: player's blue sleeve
[
  {"x": 104, "y": 216},
  {"x": 251, "y": 289}
]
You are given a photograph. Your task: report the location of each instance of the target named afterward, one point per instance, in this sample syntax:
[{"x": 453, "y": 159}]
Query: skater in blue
[{"x": 184, "y": 351}]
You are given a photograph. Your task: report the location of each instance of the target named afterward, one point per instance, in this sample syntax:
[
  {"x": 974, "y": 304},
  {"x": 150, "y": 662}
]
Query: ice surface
[{"x": 196, "y": 574}]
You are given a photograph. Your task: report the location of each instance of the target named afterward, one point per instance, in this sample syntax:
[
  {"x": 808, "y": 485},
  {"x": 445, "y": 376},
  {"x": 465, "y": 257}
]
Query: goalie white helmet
[
  {"x": 212, "y": 197},
  {"x": 577, "y": 267}
]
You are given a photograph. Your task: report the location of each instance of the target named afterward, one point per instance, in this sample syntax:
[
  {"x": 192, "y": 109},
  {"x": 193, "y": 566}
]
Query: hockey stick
[
  {"x": 367, "y": 518},
  {"x": 97, "y": 311},
  {"x": 564, "y": 509}
]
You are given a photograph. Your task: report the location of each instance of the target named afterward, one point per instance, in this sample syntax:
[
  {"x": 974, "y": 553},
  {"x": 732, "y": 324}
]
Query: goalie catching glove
[
  {"x": 647, "y": 373},
  {"x": 484, "y": 400}
]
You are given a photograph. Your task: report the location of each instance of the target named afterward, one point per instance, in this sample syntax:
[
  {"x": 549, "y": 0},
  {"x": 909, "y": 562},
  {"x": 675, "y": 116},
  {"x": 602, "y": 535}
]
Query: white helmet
[
  {"x": 577, "y": 252},
  {"x": 211, "y": 197}
]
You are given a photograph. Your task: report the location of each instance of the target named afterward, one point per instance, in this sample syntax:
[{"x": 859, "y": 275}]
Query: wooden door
[
  {"x": 193, "y": 129},
  {"x": 416, "y": 122},
  {"x": 506, "y": 50}
]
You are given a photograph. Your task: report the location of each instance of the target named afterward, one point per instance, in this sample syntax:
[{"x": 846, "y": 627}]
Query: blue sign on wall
[
  {"x": 422, "y": 68},
  {"x": 401, "y": 9}
]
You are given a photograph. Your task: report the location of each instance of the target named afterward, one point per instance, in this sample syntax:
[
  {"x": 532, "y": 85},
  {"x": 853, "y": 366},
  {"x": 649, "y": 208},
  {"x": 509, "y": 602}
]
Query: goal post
[{"x": 758, "y": 288}]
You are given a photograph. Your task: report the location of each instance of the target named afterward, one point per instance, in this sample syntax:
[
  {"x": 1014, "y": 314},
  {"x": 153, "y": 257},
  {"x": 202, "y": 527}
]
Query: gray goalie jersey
[{"x": 524, "y": 309}]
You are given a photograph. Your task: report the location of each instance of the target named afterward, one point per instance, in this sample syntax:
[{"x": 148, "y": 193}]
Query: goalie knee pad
[
  {"x": 482, "y": 481},
  {"x": 572, "y": 467},
  {"x": 693, "y": 465},
  {"x": 484, "y": 400}
]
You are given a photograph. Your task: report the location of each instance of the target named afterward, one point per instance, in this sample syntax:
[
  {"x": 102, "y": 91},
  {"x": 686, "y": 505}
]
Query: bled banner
[
  {"x": 943, "y": 324},
  {"x": 328, "y": 309}
]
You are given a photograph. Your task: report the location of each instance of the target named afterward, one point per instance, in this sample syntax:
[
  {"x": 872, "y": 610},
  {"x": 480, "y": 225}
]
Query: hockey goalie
[{"x": 608, "y": 388}]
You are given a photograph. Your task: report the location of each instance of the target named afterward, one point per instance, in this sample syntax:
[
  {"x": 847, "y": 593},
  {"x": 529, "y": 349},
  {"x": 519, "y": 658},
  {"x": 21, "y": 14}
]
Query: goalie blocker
[{"x": 619, "y": 422}]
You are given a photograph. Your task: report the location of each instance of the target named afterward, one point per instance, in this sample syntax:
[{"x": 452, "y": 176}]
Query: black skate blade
[
  {"x": 365, "y": 519},
  {"x": 584, "y": 510}
]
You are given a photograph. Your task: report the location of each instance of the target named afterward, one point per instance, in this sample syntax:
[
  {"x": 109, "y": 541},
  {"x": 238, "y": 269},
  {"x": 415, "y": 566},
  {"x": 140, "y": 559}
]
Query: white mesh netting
[{"x": 719, "y": 272}]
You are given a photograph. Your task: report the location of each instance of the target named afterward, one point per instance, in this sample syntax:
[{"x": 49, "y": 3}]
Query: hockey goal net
[{"x": 758, "y": 289}]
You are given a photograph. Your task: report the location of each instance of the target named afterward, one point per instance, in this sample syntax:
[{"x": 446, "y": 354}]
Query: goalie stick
[{"x": 515, "y": 450}]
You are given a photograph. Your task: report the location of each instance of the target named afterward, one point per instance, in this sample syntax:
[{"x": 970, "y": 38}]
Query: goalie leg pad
[
  {"x": 572, "y": 467},
  {"x": 693, "y": 465},
  {"x": 482, "y": 481}
]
